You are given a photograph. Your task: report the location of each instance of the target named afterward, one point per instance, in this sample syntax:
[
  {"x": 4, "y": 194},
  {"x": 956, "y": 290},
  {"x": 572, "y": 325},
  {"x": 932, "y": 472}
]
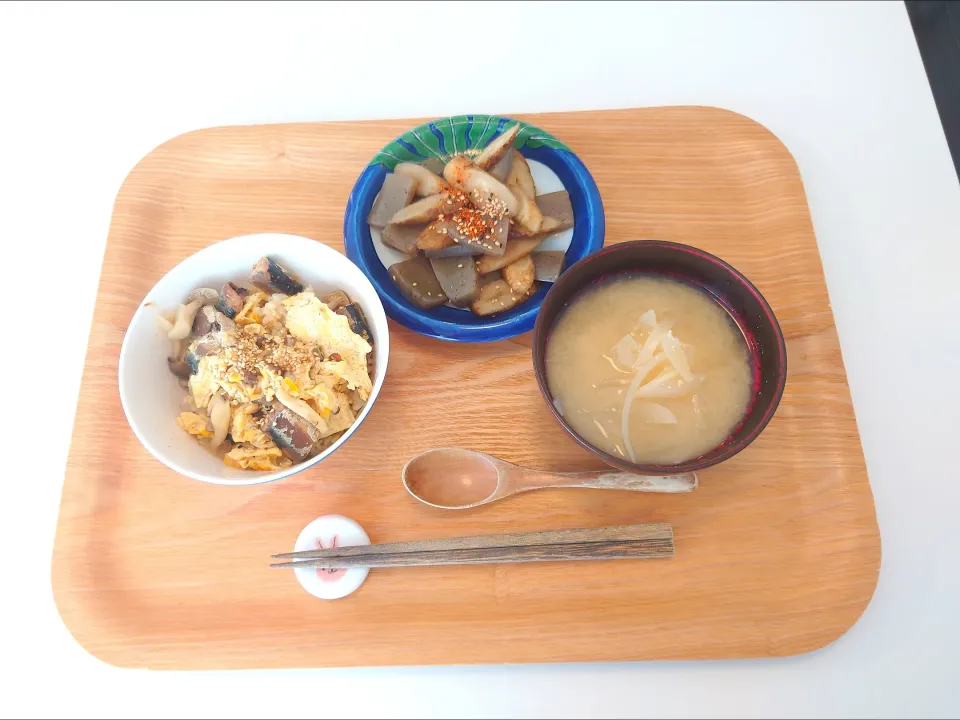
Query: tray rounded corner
[
  {"x": 747, "y": 120},
  {"x": 857, "y": 612},
  {"x": 170, "y": 145},
  {"x": 67, "y": 617}
]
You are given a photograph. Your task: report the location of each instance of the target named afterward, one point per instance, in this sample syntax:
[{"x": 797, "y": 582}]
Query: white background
[{"x": 87, "y": 90}]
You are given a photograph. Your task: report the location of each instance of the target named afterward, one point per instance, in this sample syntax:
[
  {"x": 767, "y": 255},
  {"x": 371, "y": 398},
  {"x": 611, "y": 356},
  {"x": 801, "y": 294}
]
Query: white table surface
[{"x": 86, "y": 91}]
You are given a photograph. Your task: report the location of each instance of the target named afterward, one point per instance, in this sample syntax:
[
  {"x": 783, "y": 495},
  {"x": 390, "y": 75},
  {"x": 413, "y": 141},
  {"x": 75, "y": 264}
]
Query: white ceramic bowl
[{"x": 151, "y": 395}]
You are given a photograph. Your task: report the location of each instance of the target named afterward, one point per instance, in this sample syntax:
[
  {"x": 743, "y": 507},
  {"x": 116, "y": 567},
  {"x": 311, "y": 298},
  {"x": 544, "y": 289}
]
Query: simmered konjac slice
[
  {"x": 459, "y": 279},
  {"x": 402, "y": 237},
  {"x": 418, "y": 283},
  {"x": 549, "y": 264},
  {"x": 557, "y": 205},
  {"x": 396, "y": 194}
]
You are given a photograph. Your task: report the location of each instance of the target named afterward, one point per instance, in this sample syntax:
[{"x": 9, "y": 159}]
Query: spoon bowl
[{"x": 459, "y": 479}]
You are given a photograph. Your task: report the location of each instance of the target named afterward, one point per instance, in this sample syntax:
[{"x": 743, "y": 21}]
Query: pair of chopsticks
[{"x": 612, "y": 543}]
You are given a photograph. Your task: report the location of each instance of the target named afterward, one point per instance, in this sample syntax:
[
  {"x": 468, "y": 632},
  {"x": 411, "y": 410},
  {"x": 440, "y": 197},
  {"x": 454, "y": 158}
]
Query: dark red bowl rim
[{"x": 699, "y": 463}]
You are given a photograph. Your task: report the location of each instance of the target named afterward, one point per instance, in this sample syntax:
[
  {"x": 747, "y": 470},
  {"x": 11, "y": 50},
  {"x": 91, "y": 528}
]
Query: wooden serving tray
[{"x": 777, "y": 553}]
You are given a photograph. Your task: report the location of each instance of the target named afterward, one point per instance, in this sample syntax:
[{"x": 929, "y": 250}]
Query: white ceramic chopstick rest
[{"x": 325, "y": 533}]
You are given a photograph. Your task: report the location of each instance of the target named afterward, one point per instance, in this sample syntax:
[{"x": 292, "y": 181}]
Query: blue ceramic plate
[{"x": 554, "y": 167}]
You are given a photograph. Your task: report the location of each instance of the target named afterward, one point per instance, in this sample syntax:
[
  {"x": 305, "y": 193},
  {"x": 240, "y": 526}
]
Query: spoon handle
[{"x": 606, "y": 480}]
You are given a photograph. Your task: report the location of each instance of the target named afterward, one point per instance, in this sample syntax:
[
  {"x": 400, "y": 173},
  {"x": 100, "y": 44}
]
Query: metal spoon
[{"x": 457, "y": 479}]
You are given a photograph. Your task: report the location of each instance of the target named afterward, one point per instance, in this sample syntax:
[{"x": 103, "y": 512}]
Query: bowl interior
[
  {"x": 441, "y": 138},
  {"x": 151, "y": 395},
  {"x": 731, "y": 289}
]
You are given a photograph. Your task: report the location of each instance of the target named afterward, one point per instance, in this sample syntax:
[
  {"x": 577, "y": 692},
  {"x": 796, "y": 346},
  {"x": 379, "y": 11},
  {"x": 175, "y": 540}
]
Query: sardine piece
[
  {"x": 291, "y": 433},
  {"x": 269, "y": 276},
  {"x": 231, "y": 299}
]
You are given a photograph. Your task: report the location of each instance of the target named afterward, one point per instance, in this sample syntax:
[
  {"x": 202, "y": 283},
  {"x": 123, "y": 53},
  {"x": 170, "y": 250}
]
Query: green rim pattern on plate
[{"x": 450, "y": 136}]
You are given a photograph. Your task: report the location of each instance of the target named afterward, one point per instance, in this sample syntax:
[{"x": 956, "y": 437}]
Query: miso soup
[{"x": 649, "y": 369}]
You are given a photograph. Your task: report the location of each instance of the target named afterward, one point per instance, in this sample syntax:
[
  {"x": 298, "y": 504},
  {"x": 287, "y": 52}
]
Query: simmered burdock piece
[
  {"x": 402, "y": 237},
  {"x": 417, "y": 282},
  {"x": 428, "y": 183},
  {"x": 516, "y": 249},
  {"x": 502, "y": 169},
  {"x": 291, "y": 433},
  {"x": 269, "y": 276},
  {"x": 423, "y": 210},
  {"x": 528, "y": 216},
  {"x": 231, "y": 299},
  {"x": 459, "y": 279},
  {"x": 437, "y": 236},
  {"x": 557, "y": 206},
  {"x": 479, "y": 186},
  {"x": 497, "y": 297},
  {"x": 520, "y": 178},
  {"x": 519, "y": 275},
  {"x": 395, "y": 194},
  {"x": 356, "y": 320},
  {"x": 549, "y": 265},
  {"x": 496, "y": 149},
  {"x": 549, "y": 225}
]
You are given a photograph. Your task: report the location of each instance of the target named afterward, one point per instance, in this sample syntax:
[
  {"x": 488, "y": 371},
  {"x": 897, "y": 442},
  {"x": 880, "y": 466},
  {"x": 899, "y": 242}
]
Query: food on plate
[
  {"x": 487, "y": 194},
  {"x": 459, "y": 279},
  {"x": 428, "y": 182},
  {"x": 467, "y": 223},
  {"x": 514, "y": 250},
  {"x": 520, "y": 178},
  {"x": 396, "y": 194},
  {"x": 649, "y": 369},
  {"x": 496, "y": 297},
  {"x": 557, "y": 205},
  {"x": 502, "y": 169},
  {"x": 402, "y": 237},
  {"x": 274, "y": 374},
  {"x": 520, "y": 275},
  {"x": 418, "y": 283},
  {"x": 548, "y": 265},
  {"x": 494, "y": 152},
  {"x": 423, "y": 210}
]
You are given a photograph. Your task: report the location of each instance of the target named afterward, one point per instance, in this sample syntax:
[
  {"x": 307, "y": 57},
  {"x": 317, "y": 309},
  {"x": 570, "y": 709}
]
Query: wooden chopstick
[{"x": 623, "y": 542}]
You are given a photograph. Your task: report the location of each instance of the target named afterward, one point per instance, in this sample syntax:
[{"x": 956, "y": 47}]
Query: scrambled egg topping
[
  {"x": 292, "y": 350},
  {"x": 311, "y": 321}
]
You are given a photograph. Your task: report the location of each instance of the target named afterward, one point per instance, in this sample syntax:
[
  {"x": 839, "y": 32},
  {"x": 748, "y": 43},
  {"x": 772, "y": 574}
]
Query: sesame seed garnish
[{"x": 414, "y": 285}]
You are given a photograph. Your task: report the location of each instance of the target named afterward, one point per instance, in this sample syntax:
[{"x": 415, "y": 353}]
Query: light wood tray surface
[{"x": 777, "y": 553}]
